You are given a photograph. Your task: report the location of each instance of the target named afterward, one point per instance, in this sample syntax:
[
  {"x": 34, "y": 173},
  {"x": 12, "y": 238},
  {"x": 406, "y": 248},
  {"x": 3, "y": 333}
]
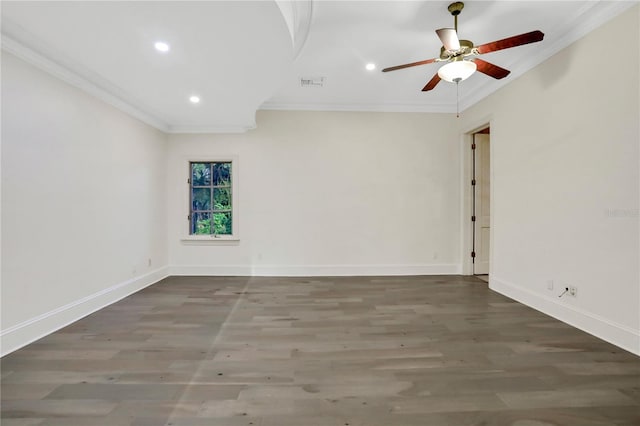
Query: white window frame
[{"x": 186, "y": 200}]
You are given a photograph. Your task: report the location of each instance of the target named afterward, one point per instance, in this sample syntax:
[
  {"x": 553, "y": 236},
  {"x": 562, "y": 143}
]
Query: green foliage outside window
[{"x": 211, "y": 198}]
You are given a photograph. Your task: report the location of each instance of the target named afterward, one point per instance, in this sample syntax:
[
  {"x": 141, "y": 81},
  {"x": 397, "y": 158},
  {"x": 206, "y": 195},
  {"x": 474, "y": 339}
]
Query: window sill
[{"x": 212, "y": 239}]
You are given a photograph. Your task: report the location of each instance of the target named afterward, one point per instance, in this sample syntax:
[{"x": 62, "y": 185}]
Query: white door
[{"x": 482, "y": 207}]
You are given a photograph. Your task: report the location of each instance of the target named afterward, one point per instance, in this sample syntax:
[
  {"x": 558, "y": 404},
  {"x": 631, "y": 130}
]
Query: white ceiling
[{"x": 239, "y": 56}]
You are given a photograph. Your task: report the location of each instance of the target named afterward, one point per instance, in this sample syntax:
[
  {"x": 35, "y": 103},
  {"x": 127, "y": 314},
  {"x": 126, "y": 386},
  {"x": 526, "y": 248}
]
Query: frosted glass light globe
[{"x": 457, "y": 71}]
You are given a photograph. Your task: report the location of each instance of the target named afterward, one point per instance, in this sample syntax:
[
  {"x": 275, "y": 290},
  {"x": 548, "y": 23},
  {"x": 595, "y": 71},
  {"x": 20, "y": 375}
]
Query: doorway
[{"x": 480, "y": 202}]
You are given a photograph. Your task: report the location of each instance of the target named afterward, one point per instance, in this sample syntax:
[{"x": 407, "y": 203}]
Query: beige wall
[
  {"x": 83, "y": 203},
  {"x": 565, "y": 183},
  {"x": 329, "y": 193}
]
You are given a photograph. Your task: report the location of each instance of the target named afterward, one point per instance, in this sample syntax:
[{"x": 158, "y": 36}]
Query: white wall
[
  {"x": 83, "y": 204},
  {"x": 565, "y": 183},
  {"x": 329, "y": 193}
]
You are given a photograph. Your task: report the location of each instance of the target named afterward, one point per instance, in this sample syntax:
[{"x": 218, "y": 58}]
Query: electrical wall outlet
[
  {"x": 573, "y": 291},
  {"x": 550, "y": 285},
  {"x": 149, "y": 262}
]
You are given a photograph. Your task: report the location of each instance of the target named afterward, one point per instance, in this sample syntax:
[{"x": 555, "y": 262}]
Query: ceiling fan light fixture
[{"x": 455, "y": 72}]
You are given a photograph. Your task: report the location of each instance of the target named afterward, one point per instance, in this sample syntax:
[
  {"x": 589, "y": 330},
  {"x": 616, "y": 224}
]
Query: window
[{"x": 212, "y": 209}]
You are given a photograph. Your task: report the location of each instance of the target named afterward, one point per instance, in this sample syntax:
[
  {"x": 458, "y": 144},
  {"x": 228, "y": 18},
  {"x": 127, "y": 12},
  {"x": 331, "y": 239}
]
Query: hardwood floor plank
[{"x": 334, "y": 351}]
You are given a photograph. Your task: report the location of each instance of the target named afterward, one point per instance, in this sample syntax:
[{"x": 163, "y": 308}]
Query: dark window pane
[
  {"x": 221, "y": 174},
  {"x": 211, "y": 190},
  {"x": 222, "y": 198},
  {"x": 222, "y": 223},
  {"x": 200, "y": 199},
  {"x": 201, "y": 223},
  {"x": 201, "y": 174}
]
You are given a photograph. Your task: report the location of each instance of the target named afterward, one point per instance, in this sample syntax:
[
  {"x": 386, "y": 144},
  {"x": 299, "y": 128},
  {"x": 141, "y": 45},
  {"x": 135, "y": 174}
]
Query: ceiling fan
[{"x": 461, "y": 56}]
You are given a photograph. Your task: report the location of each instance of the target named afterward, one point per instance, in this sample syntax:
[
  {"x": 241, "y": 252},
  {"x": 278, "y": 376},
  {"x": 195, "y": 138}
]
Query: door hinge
[
  {"x": 473, "y": 146},
  {"x": 473, "y": 254},
  {"x": 473, "y": 182},
  {"x": 473, "y": 218},
  {"x": 188, "y": 180},
  {"x": 189, "y": 217}
]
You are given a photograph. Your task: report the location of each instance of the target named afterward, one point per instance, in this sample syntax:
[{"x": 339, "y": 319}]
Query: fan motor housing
[{"x": 465, "y": 47}]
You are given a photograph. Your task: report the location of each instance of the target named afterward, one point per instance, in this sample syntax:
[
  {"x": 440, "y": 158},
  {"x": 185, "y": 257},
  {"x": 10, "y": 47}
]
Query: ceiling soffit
[
  {"x": 249, "y": 55},
  {"x": 233, "y": 55}
]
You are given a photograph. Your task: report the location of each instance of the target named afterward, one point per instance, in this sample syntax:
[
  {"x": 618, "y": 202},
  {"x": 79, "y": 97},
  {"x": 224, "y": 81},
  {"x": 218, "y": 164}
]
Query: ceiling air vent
[{"x": 316, "y": 82}]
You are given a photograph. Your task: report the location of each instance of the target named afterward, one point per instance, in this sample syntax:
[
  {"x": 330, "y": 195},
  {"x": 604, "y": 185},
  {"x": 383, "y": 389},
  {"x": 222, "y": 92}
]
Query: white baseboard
[
  {"x": 610, "y": 331},
  {"x": 19, "y": 335},
  {"x": 315, "y": 270}
]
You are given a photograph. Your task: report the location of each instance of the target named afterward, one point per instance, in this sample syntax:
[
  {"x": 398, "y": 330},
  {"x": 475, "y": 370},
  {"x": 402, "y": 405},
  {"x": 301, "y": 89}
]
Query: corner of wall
[
  {"x": 14, "y": 338},
  {"x": 607, "y": 330}
]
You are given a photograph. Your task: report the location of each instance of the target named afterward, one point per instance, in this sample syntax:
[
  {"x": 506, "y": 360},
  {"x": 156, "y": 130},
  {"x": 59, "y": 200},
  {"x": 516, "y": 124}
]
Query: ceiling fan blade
[
  {"x": 490, "y": 69},
  {"x": 449, "y": 39},
  {"x": 506, "y": 43},
  {"x": 432, "y": 83},
  {"x": 412, "y": 64}
]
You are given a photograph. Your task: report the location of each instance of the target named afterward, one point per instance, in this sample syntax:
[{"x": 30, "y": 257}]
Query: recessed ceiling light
[
  {"x": 194, "y": 99},
  {"x": 370, "y": 66},
  {"x": 161, "y": 46}
]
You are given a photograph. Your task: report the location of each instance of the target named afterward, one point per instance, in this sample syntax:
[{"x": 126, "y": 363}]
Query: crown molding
[
  {"x": 46, "y": 64},
  {"x": 73, "y": 78},
  {"x": 239, "y": 128},
  {"x": 379, "y": 107}
]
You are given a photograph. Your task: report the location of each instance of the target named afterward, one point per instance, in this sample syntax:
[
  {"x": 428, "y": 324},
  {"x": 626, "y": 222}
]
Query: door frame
[{"x": 466, "y": 234}]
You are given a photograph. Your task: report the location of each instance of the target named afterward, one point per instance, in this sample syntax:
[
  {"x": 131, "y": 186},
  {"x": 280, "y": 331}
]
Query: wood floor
[{"x": 389, "y": 351}]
